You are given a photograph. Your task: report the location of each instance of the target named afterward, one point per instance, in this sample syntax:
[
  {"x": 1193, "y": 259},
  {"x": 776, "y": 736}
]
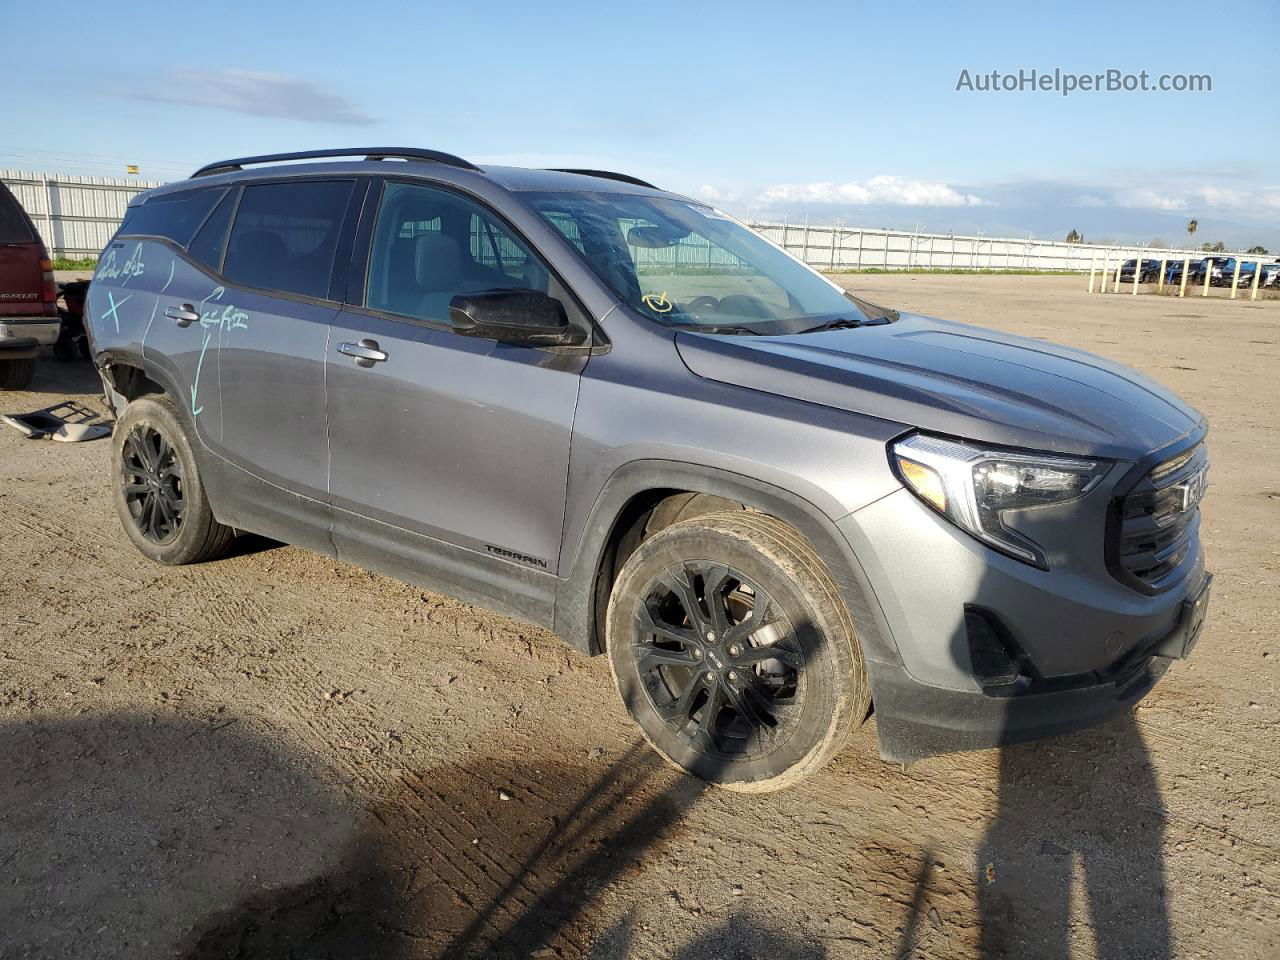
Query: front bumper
[
  {"x": 1081, "y": 645},
  {"x": 914, "y": 720},
  {"x": 42, "y": 331}
]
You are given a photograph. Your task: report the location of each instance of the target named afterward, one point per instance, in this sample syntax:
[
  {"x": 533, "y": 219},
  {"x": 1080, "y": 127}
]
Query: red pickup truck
[{"x": 28, "y": 300}]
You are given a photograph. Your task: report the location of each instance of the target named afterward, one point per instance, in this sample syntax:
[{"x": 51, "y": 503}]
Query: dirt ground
[{"x": 275, "y": 755}]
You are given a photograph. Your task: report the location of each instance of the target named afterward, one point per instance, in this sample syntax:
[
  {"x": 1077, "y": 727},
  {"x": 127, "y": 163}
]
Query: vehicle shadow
[
  {"x": 124, "y": 835},
  {"x": 127, "y": 835},
  {"x": 119, "y": 830},
  {"x": 740, "y": 936},
  {"x": 476, "y": 860}
]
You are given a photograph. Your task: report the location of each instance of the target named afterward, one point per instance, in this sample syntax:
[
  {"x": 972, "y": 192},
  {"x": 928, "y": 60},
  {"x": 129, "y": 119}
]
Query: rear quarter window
[
  {"x": 174, "y": 216},
  {"x": 209, "y": 243},
  {"x": 14, "y": 225}
]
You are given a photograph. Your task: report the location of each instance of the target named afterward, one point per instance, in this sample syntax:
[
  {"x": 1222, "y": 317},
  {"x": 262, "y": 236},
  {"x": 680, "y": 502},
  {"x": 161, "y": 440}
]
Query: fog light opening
[{"x": 995, "y": 662}]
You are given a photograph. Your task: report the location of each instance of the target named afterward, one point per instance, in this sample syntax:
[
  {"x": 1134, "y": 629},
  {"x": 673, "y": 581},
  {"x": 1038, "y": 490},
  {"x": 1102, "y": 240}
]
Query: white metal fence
[
  {"x": 838, "y": 247},
  {"x": 77, "y": 215}
]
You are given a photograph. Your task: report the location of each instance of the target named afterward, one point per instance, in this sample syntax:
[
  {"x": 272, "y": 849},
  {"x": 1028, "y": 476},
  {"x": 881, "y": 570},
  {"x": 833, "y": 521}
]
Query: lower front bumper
[
  {"x": 44, "y": 332},
  {"x": 915, "y": 720}
]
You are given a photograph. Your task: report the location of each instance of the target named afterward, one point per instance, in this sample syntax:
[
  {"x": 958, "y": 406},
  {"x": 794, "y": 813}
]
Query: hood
[{"x": 957, "y": 379}]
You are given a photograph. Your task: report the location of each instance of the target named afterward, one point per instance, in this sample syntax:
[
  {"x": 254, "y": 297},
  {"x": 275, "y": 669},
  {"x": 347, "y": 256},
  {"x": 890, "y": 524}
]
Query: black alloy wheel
[
  {"x": 153, "y": 487},
  {"x": 718, "y": 660}
]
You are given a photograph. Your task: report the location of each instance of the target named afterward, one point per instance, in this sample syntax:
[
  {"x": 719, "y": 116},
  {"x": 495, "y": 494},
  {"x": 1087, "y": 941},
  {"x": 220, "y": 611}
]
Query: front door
[{"x": 449, "y": 454}]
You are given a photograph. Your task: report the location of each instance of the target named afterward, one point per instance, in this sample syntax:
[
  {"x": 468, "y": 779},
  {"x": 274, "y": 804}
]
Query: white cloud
[
  {"x": 1192, "y": 199},
  {"x": 1151, "y": 200},
  {"x": 886, "y": 190},
  {"x": 712, "y": 195},
  {"x": 252, "y": 92},
  {"x": 1091, "y": 200}
]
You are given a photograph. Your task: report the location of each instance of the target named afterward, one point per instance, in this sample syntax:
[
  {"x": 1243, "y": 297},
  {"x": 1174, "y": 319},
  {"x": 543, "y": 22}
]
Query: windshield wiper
[
  {"x": 721, "y": 328},
  {"x": 843, "y": 323}
]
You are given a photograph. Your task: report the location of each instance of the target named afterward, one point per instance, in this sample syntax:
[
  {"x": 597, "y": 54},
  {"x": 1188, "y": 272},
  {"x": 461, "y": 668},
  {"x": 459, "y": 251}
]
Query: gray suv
[{"x": 588, "y": 403}]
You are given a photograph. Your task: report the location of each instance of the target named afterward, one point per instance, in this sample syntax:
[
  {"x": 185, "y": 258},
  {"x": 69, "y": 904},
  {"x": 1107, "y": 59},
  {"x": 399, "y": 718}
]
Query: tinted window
[
  {"x": 285, "y": 234},
  {"x": 208, "y": 245},
  {"x": 682, "y": 263},
  {"x": 430, "y": 245},
  {"x": 175, "y": 216},
  {"x": 14, "y": 226}
]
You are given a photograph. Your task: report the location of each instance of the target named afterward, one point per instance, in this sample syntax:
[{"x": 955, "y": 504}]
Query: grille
[{"x": 1160, "y": 518}]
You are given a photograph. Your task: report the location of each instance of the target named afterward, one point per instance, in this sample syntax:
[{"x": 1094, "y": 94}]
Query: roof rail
[
  {"x": 608, "y": 175},
  {"x": 369, "y": 153}
]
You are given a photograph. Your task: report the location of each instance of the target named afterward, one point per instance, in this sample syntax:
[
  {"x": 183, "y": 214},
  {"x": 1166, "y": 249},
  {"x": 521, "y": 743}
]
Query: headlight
[{"x": 978, "y": 487}]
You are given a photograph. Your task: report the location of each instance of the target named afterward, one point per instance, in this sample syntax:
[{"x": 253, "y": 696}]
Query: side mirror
[{"x": 513, "y": 316}]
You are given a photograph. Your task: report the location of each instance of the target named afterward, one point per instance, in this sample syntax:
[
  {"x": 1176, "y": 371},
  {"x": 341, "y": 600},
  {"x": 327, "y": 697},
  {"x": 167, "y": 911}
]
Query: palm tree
[{"x": 1191, "y": 227}]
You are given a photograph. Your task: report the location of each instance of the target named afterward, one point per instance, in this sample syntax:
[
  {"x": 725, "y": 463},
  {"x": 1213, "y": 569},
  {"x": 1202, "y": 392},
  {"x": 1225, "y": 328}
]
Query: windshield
[{"x": 686, "y": 265}]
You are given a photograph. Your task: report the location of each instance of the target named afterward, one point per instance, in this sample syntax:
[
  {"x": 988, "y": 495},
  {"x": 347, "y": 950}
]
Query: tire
[
  {"x": 157, "y": 490},
  {"x": 17, "y": 374},
  {"x": 773, "y": 721},
  {"x": 64, "y": 349}
]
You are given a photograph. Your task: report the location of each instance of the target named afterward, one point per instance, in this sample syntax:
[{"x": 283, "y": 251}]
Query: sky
[{"x": 828, "y": 111}]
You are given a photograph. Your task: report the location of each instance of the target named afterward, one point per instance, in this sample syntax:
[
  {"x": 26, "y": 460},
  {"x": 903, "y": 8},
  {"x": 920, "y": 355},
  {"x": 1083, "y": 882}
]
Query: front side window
[
  {"x": 285, "y": 234},
  {"x": 430, "y": 245},
  {"x": 684, "y": 264}
]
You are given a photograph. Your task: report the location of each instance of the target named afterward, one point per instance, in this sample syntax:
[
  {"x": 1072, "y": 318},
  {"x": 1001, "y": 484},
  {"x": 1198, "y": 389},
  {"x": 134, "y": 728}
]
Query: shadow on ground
[
  {"x": 1089, "y": 806},
  {"x": 125, "y": 836},
  {"x": 1079, "y": 814}
]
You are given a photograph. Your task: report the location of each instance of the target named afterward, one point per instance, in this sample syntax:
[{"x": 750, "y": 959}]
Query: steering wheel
[{"x": 698, "y": 304}]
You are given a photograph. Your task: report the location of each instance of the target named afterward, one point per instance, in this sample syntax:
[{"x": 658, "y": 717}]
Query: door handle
[
  {"x": 366, "y": 352},
  {"x": 185, "y": 314}
]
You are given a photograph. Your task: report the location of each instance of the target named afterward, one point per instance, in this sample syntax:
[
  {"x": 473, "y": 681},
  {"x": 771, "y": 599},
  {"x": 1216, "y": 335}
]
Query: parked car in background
[
  {"x": 1150, "y": 271},
  {"x": 1219, "y": 267},
  {"x": 1270, "y": 275},
  {"x": 28, "y": 301},
  {"x": 605, "y": 408},
  {"x": 1173, "y": 270}
]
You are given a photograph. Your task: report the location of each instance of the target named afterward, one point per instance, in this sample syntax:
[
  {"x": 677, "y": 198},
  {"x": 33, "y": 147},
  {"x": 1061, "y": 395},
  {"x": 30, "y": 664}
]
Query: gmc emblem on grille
[{"x": 1193, "y": 490}]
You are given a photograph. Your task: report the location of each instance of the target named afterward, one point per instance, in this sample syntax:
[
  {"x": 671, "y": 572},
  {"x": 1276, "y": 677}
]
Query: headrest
[
  {"x": 437, "y": 263},
  {"x": 260, "y": 247}
]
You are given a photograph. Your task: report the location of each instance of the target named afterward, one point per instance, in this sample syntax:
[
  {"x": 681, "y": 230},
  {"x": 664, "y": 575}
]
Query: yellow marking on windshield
[{"x": 657, "y": 302}]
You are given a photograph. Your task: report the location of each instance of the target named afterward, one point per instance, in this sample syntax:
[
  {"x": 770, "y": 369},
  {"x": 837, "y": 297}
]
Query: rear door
[
  {"x": 267, "y": 325},
  {"x": 450, "y": 441}
]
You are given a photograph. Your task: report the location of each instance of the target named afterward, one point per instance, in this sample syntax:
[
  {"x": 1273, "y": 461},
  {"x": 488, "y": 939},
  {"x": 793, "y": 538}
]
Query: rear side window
[
  {"x": 285, "y": 234},
  {"x": 14, "y": 225},
  {"x": 209, "y": 243},
  {"x": 174, "y": 216}
]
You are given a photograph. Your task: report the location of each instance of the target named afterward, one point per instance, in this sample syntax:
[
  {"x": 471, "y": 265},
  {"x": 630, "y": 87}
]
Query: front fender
[{"x": 576, "y": 602}]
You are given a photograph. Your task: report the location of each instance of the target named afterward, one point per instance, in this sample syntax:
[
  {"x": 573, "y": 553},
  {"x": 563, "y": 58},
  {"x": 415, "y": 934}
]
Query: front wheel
[{"x": 732, "y": 649}]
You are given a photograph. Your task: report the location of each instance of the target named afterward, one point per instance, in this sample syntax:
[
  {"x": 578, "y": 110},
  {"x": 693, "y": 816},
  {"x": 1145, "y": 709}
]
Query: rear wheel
[
  {"x": 16, "y": 374},
  {"x": 733, "y": 651},
  {"x": 158, "y": 494}
]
